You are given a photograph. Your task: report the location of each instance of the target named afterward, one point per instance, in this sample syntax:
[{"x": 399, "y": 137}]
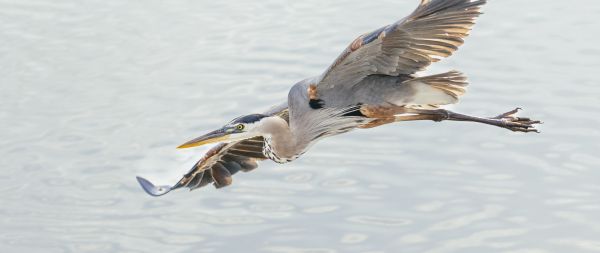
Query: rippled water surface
[{"x": 93, "y": 93}]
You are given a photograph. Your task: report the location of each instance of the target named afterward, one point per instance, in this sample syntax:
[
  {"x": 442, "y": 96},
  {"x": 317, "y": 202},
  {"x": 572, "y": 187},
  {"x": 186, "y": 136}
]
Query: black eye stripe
[{"x": 248, "y": 118}]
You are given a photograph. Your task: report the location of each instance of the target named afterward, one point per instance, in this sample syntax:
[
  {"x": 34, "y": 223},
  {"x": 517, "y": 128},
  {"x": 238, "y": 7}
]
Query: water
[{"x": 94, "y": 93}]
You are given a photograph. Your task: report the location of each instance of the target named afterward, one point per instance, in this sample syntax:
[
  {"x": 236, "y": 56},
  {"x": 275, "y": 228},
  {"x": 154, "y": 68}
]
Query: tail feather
[{"x": 436, "y": 90}]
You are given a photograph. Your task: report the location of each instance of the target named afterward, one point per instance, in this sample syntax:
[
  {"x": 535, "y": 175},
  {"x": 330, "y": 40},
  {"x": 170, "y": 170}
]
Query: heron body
[{"x": 373, "y": 82}]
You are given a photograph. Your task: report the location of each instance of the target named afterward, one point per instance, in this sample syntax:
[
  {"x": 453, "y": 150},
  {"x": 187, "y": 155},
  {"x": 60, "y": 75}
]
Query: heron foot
[{"x": 509, "y": 121}]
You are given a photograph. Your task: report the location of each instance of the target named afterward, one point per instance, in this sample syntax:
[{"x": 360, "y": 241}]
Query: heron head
[{"x": 240, "y": 128}]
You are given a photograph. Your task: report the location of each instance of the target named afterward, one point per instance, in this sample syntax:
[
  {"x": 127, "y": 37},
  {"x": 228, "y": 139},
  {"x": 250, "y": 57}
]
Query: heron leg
[
  {"x": 382, "y": 111},
  {"x": 507, "y": 120},
  {"x": 378, "y": 122},
  {"x": 383, "y": 121},
  {"x": 381, "y": 115}
]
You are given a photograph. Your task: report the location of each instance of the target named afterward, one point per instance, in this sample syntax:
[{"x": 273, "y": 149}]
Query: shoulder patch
[{"x": 316, "y": 103}]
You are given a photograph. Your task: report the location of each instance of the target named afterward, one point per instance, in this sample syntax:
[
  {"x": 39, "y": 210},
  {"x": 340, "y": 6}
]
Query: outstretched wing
[
  {"x": 433, "y": 31},
  {"x": 220, "y": 163}
]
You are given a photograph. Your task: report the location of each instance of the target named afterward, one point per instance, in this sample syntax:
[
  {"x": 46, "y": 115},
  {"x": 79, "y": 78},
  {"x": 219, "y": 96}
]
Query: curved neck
[{"x": 282, "y": 141}]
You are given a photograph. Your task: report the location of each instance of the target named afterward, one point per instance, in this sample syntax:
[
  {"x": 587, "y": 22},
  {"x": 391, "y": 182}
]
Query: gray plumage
[{"x": 373, "y": 82}]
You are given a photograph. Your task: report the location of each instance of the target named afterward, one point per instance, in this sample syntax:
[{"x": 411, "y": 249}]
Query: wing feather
[
  {"x": 223, "y": 161},
  {"x": 433, "y": 31}
]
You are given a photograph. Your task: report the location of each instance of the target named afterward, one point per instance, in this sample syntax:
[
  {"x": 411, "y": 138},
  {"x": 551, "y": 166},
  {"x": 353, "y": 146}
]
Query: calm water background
[{"x": 93, "y": 93}]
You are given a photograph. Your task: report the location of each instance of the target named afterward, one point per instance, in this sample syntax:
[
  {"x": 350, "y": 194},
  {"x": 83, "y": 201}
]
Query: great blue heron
[{"x": 370, "y": 84}]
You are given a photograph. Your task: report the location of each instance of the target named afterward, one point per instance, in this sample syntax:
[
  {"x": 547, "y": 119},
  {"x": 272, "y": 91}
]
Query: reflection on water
[{"x": 95, "y": 92}]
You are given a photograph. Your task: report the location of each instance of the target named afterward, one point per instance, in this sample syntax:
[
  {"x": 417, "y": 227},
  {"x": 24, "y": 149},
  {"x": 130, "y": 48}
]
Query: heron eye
[{"x": 240, "y": 127}]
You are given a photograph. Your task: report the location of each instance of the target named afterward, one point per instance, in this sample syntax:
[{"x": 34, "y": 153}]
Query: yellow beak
[{"x": 212, "y": 137}]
